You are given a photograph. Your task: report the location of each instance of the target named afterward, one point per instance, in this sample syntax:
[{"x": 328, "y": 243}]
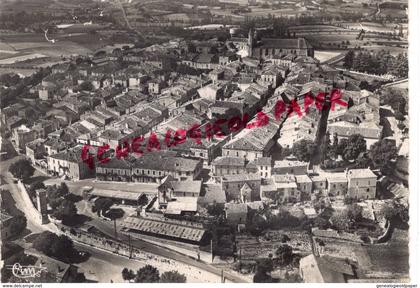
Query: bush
[{"x": 22, "y": 169}]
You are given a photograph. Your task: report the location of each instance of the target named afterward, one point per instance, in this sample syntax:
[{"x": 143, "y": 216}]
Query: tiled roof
[
  {"x": 213, "y": 193},
  {"x": 229, "y": 161},
  {"x": 117, "y": 194},
  {"x": 360, "y": 173},
  {"x": 345, "y": 129},
  {"x": 164, "y": 228},
  {"x": 160, "y": 162},
  {"x": 186, "y": 186},
  {"x": 241, "y": 177}
]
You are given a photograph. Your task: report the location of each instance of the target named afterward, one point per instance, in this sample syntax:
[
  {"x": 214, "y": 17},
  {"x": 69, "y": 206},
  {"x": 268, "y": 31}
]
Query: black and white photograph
[{"x": 208, "y": 141}]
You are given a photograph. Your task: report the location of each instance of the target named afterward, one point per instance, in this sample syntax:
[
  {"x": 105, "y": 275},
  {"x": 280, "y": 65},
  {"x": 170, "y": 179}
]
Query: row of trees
[
  {"x": 19, "y": 88},
  {"x": 380, "y": 63},
  {"x": 150, "y": 274},
  {"x": 59, "y": 247},
  {"x": 18, "y": 223},
  {"x": 265, "y": 219}
]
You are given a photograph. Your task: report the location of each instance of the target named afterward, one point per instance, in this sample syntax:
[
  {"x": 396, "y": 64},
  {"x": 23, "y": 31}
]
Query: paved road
[{"x": 22, "y": 203}]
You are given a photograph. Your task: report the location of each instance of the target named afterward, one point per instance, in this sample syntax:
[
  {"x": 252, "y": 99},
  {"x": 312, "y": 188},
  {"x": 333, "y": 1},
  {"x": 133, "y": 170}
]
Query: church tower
[{"x": 250, "y": 41}]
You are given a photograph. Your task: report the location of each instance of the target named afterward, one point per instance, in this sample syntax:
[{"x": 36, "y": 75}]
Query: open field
[
  {"x": 21, "y": 58},
  {"x": 326, "y": 55},
  {"x": 25, "y": 47},
  {"x": 392, "y": 50}
]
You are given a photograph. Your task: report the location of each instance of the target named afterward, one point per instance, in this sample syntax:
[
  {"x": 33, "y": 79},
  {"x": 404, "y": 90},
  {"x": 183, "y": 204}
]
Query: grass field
[
  {"x": 23, "y": 47},
  {"x": 391, "y": 256},
  {"x": 326, "y": 55}
]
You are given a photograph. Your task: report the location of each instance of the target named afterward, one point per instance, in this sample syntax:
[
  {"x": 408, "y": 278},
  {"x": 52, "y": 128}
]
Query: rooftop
[{"x": 165, "y": 228}]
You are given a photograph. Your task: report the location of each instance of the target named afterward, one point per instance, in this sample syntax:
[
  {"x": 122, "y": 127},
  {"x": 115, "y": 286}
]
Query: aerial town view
[{"x": 193, "y": 141}]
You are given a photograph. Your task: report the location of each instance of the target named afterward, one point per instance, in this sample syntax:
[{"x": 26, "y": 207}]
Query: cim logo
[{"x": 29, "y": 271}]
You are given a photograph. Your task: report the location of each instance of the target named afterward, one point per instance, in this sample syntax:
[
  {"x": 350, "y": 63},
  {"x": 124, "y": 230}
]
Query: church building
[{"x": 268, "y": 47}]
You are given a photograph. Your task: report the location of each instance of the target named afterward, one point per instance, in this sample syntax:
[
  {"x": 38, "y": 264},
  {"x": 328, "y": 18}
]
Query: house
[
  {"x": 261, "y": 166},
  {"x": 272, "y": 76},
  {"x": 282, "y": 188},
  {"x": 54, "y": 146},
  {"x": 69, "y": 164},
  {"x": 156, "y": 86},
  {"x": 290, "y": 166},
  {"x": 319, "y": 183},
  {"x": 186, "y": 188},
  {"x": 22, "y": 136},
  {"x": 152, "y": 167},
  {"x": 182, "y": 206},
  {"x": 337, "y": 184},
  {"x": 35, "y": 149},
  {"x": 361, "y": 183},
  {"x": 212, "y": 92},
  {"x": 242, "y": 187},
  {"x": 236, "y": 213},
  {"x": 369, "y": 130},
  {"x": 304, "y": 185},
  {"x": 251, "y": 144},
  {"x": 114, "y": 170},
  {"x": 212, "y": 194},
  {"x": 227, "y": 165},
  {"x": 325, "y": 269}
]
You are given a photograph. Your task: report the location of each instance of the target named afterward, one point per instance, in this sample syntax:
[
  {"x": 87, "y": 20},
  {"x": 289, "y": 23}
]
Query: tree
[
  {"x": 128, "y": 274},
  {"x": 396, "y": 98},
  {"x": 382, "y": 153},
  {"x": 17, "y": 224},
  {"x": 60, "y": 247},
  {"x": 399, "y": 116},
  {"x": 395, "y": 210},
  {"x": 285, "y": 152},
  {"x": 173, "y": 277},
  {"x": 303, "y": 150},
  {"x": 56, "y": 194},
  {"x": 356, "y": 144},
  {"x": 321, "y": 223},
  {"x": 22, "y": 169},
  {"x": 87, "y": 86},
  {"x": 401, "y": 66},
  {"x": 264, "y": 267},
  {"x": 102, "y": 205},
  {"x": 63, "y": 248},
  {"x": 216, "y": 209},
  {"x": 284, "y": 254},
  {"x": 340, "y": 220},
  {"x": 257, "y": 224},
  {"x": 261, "y": 277},
  {"x": 355, "y": 212},
  {"x": 348, "y": 59},
  {"x": 147, "y": 274},
  {"x": 66, "y": 209},
  {"x": 114, "y": 213},
  {"x": 143, "y": 200}
]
